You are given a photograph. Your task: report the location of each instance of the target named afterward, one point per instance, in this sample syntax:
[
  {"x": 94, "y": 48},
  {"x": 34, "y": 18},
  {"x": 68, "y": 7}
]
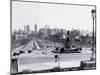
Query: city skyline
[
  {"x": 82, "y": 32},
  {"x": 29, "y": 14}
]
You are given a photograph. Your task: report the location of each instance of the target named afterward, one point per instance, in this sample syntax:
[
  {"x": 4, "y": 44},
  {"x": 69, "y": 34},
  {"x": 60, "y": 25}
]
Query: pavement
[{"x": 46, "y": 66}]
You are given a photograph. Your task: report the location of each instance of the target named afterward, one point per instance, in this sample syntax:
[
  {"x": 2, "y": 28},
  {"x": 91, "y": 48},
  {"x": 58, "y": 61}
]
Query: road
[{"x": 32, "y": 45}]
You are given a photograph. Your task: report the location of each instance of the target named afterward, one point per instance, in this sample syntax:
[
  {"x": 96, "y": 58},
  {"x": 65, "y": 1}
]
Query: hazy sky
[{"x": 53, "y": 15}]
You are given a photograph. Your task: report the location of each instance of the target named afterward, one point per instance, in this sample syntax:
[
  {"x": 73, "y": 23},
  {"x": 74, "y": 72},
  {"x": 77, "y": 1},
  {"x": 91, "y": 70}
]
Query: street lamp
[{"x": 93, "y": 13}]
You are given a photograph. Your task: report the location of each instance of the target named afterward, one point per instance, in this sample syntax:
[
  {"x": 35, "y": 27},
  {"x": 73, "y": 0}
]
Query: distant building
[
  {"x": 20, "y": 32},
  {"x": 45, "y": 32},
  {"x": 14, "y": 32},
  {"x": 21, "y": 36},
  {"x": 35, "y": 29},
  {"x": 26, "y": 29},
  {"x": 74, "y": 34},
  {"x": 55, "y": 31}
]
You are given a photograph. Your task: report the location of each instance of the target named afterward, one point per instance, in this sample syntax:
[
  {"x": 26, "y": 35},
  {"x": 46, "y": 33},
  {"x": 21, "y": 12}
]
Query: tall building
[
  {"x": 26, "y": 28},
  {"x": 35, "y": 28}
]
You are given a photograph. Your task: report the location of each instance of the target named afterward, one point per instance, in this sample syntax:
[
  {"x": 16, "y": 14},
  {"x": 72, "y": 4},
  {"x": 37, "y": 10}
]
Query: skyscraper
[
  {"x": 26, "y": 29},
  {"x": 35, "y": 28}
]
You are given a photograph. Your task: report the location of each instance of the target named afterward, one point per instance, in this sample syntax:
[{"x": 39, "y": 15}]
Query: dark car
[
  {"x": 21, "y": 52},
  {"x": 29, "y": 51},
  {"x": 15, "y": 54}
]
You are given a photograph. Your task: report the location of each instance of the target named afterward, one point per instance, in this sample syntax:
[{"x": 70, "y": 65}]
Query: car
[
  {"x": 15, "y": 54},
  {"x": 29, "y": 51},
  {"x": 21, "y": 52}
]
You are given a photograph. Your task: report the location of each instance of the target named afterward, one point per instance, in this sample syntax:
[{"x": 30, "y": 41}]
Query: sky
[{"x": 54, "y": 15}]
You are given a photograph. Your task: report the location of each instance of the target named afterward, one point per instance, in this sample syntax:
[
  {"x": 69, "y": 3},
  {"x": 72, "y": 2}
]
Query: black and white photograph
[{"x": 52, "y": 37}]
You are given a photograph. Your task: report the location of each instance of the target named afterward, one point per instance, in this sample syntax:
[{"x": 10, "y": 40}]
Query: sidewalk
[{"x": 45, "y": 66}]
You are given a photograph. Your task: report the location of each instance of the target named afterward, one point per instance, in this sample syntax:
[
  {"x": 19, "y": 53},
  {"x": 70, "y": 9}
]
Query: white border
[{"x": 5, "y": 37}]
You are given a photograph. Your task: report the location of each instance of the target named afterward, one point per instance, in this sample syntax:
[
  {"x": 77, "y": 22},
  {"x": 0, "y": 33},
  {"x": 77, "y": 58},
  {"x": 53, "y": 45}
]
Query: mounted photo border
[{"x": 44, "y": 3}]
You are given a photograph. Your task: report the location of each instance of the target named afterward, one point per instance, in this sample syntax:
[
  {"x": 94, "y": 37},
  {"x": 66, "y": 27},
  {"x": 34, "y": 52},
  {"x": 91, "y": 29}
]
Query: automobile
[
  {"x": 15, "y": 54},
  {"x": 21, "y": 52},
  {"x": 29, "y": 51}
]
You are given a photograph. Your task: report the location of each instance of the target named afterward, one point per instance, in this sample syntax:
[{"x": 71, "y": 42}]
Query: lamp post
[{"x": 93, "y": 13}]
